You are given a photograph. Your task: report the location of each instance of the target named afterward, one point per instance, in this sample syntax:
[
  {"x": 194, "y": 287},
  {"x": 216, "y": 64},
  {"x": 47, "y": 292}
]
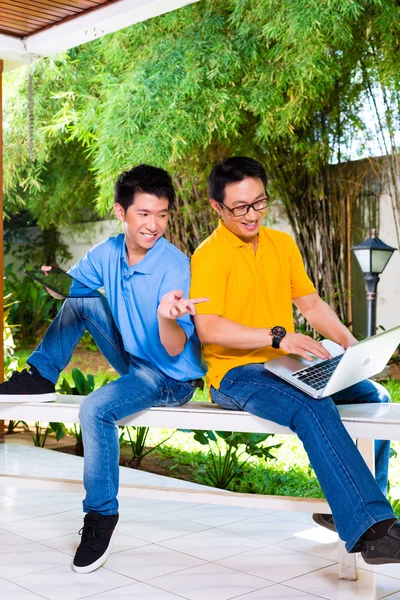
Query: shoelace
[
  {"x": 90, "y": 538},
  {"x": 90, "y": 533},
  {"x": 18, "y": 374}
]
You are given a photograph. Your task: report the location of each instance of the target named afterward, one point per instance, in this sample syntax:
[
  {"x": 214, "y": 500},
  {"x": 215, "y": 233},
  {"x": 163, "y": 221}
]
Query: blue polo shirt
[{"x": 134, "y": 293}]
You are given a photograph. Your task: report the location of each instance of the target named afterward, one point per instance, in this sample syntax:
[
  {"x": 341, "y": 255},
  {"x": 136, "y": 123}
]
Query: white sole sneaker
[
  {"x": 25, "y": 398},
  {"x": 100, "y": 561}
]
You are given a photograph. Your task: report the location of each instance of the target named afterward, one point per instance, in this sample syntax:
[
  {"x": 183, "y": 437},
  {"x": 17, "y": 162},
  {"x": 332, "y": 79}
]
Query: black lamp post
[{"x": 372, "y": 255}]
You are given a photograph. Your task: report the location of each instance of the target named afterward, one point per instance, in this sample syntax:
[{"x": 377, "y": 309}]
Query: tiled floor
[{"x": 166, "y": 550}]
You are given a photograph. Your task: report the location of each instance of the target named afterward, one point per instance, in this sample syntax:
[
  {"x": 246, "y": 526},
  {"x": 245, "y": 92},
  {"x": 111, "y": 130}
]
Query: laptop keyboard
[{"x": 317, "y": 376}]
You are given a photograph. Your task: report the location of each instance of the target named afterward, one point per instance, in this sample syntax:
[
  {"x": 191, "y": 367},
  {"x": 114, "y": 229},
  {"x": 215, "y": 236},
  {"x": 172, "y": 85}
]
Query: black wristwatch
[{"x": 277, "y": 333}]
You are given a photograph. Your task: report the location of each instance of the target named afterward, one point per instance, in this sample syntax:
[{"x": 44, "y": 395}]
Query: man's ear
[
  {"x": 119, "y": 212},
  {"x": 216, "y": 206}
]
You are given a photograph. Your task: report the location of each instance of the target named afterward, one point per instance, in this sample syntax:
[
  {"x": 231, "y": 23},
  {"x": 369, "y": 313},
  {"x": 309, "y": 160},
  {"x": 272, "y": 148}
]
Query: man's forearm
[
  {"x": 230, "y": 334},
  {"x": 324, "y": 320},
  {"x": 172, "y": 336}
]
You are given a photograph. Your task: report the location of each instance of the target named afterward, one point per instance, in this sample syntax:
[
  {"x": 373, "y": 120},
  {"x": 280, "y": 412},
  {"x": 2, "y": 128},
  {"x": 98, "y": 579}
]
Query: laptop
[{"x": 323, "y": 378}]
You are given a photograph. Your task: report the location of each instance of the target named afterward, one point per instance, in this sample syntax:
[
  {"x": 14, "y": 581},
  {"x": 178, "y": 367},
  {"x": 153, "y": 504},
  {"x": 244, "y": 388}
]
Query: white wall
[{"x": 81, "y": 239}]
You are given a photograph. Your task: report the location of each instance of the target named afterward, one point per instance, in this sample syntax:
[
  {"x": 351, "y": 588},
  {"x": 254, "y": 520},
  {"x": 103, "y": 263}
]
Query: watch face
[{"x": 279, "y": 331}]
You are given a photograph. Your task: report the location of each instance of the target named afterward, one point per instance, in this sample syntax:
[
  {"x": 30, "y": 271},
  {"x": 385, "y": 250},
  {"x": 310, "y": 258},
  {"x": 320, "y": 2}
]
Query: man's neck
[
  {"x": 253, "y": 241},
  {"x": 134, "y": 255}
]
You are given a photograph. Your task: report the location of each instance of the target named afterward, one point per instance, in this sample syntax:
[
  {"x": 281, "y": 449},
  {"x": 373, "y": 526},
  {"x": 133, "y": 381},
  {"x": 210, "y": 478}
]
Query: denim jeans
[
  {"x": 355, "y": 498},
  {"x": 139, "y": 387}
]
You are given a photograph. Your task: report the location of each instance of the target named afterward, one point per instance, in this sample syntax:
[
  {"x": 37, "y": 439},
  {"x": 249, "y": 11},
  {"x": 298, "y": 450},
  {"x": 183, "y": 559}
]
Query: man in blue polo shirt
[{"x": 144, "y": 329}]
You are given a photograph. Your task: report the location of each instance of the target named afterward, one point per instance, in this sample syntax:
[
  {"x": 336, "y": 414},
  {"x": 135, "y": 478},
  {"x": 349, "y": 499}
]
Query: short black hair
[
  {"x": 147, "y": 180},
  {"x": 233, "y": 170}
]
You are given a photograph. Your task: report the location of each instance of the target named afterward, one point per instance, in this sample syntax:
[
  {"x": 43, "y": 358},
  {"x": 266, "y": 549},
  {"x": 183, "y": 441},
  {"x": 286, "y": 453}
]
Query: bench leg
[
  {"x": 347, "y": 563},
  {"x": 367, "y": 450}
]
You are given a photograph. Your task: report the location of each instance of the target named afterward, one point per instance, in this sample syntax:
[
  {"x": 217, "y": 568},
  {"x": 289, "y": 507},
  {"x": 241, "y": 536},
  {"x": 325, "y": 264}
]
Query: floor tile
[
  {"x": 294, "y": 515},
  {"x": 169, "y": 506},
  {"x": 212, "y": 544},
  {"x": 278, "y": 592},
  {"x": 325, "y": 583},
  {"x": 42, "y": 528},
  {"x": 63, "y": 583},
  {"x": 268, "y": 529},
  {"x": 150, "y": 561},
  {"x": 316, "y": 540},
  {"x": 389, "y": 570},
  {"x": 5, "y": 499},
  {"x": 160, "y": 481},
  {"x": 215, "y": 516},
  {"x": 30, "y": 558},
  {"x": 40, "y": 497},
  {"x": 19, "y": 511},
  {"x": 159, "y": 528},
  {"x": 8, "y": 539},
  {"x": 209, "y": 581},
  {"x": 137, "y": 591},
  {"x": 10, "y": 591},
  {"x": 69, "y": 543},
  {"x": 156, "y": 506},
  {"x": 274, "y": 563}
]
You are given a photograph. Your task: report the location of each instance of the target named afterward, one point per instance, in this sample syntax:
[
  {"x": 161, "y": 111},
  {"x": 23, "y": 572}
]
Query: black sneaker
[
  {"x": 97, "y": 534},
  {"x": 325, "y": 521},
  {"x": 27, "y": 386},
  {"x": 385, "y": 549}
]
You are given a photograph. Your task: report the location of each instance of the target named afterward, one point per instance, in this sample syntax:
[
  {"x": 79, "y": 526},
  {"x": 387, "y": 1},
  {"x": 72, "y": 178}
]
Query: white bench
[{"x": 365, "y": 423}]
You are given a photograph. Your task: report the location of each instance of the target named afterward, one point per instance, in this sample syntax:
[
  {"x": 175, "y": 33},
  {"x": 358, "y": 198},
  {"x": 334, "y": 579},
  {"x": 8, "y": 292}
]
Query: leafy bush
[
  {"x": 32, "y": 310},
  {"x": 40, "y": 434},
  {"x": 10, "y": 359},
  {"x": 229, "y": 453},
  {"x": 138, "y": 443}
]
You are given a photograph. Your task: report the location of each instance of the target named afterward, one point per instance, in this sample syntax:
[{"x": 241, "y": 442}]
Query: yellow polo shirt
[{"x": 254, "y": 289}]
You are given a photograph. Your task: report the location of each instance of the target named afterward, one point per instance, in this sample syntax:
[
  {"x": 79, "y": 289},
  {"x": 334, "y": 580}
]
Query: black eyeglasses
[{"x": 240, "y": 211}]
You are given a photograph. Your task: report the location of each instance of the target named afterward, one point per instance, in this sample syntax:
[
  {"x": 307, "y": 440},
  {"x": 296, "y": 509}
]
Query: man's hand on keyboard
[{"x": 305, "y": 346}]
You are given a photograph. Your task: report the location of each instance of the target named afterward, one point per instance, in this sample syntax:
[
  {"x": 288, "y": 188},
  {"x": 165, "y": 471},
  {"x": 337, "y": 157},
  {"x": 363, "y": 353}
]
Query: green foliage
[
  {"x": 32, "y": 310},
  {"x": 39, "y": 436},
  {"x": 83, "y": 385},
  {"x": 12, "y": 425},
  {"x": 229, "y": 453},
  {"x": 281, "y": 80},
  {"x": 257, "y": 477},
  {"x": 137, "y": 437},
  {"x": 393, "y": 387},
  {"x": 396, "y": 507},
  {"x": 10, "y": 360}
]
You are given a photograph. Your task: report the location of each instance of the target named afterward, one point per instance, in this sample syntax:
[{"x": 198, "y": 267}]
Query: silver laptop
[{"x": 321, "y": 378}]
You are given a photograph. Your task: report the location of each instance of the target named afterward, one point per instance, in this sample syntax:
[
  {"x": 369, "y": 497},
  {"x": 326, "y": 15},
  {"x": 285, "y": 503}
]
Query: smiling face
[
  {"x": 243, "y": 192},
  {"x": 144, "y": 221}
]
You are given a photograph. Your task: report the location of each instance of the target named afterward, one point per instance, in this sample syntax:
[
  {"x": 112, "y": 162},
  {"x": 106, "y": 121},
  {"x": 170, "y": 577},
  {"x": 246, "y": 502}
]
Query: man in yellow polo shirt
[{"x": 252, "y": 275}]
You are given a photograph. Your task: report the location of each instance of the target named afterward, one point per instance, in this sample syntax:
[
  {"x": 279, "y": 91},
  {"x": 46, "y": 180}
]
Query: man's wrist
[
  {"x": 348, "y": 340},
  {"x": 277, "y": 333}
]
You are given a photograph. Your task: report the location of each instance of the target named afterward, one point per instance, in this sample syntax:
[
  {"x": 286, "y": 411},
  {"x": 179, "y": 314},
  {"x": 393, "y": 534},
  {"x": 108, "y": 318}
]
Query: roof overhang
[{"x": 83, "y": 28}]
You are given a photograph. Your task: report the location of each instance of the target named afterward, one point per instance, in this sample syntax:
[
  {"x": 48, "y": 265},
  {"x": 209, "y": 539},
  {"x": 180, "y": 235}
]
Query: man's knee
[
  {"x": 93, "y": 412},
  {"x": 381, "y": 394}
]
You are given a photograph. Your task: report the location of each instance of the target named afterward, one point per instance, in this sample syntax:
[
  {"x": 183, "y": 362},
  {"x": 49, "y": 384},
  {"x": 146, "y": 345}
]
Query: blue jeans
[
  {"x": 355, "y": 499},
  {"x": 139, "y": 387}
]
